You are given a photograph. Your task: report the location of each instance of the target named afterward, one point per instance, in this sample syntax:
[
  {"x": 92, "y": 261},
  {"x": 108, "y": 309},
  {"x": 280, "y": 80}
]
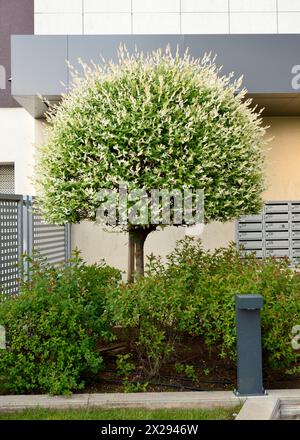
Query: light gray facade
[{"x": 270, "y": 63}]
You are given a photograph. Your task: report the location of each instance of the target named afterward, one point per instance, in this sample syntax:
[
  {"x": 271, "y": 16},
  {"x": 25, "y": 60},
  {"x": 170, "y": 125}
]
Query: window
[{"x": 7, "y": 179}]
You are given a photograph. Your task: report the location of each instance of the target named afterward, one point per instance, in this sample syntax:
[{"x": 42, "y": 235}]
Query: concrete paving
[
  {"x": 259, "y": 408},
  {"x": 275, "y": 405},
  {"x": 20, "y": 402},
  {"x": 254, "y": 408},
  {"x": 191, "y": 399},
  {"x": 166, "y": 400}
]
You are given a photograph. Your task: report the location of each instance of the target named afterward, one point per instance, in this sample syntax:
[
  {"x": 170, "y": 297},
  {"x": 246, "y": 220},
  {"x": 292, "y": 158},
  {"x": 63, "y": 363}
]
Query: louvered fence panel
[
  {"x": 50, "y": 241},
  {"x": 22, "y": 230}
]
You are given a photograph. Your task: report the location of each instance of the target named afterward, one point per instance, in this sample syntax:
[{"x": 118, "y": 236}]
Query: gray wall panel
[
  {"x": 16, "y": 17},
  {"x": 92, "y": 48},
  {"x": 40, "y": 66},
  {"x": 265, "y": 61},
  {"x": 270, "y": 63}
]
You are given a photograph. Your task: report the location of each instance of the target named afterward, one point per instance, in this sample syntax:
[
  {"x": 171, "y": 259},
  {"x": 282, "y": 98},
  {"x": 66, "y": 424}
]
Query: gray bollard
[{"x": 249, "y": 356}]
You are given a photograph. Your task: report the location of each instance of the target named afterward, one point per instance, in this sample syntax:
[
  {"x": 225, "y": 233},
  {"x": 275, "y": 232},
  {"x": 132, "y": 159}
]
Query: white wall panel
[
  {"x": 289, "y": 22},
  {"x": 166, "y": 16},
  {"x": 107, "y": 24},
  {"x": 253, "y": 5},
  {"x": 288, "y": 5},
  {"x": 107, "y": 6},
  {"x": 204, "y": 23},
  {"x": 61, "y": 6},
  {"x": 253, "y": 23},
  {"x": 60, "y": 24},
  {"x": 152, "y": 23},
  {"x": 204, "y": 6},
  {"x": 155, "y": 6}
]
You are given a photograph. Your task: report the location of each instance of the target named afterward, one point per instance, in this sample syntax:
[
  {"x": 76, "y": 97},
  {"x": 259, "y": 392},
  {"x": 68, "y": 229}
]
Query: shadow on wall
[{"x": 96, "y": 243}]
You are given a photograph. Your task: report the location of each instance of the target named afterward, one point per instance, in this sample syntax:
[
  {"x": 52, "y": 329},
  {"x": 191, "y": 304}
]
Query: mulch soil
[{"x": 212, "y": 373}]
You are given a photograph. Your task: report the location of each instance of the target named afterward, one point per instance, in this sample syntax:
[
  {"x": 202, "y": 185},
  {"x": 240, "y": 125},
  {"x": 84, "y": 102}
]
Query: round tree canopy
[{"x": 157, "y": 121}]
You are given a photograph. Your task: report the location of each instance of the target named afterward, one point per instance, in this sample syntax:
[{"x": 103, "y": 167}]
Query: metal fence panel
[
  {"x": 7, "y": 179},
  {"x": 50, "y": 241},
  {"x": 22, "y": 230},
  {"x": 11, "y": 245}
]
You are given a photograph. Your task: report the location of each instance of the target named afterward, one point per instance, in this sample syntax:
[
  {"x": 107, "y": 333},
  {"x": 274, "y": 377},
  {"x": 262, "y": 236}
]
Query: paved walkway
[
  {"x": 254, "y": 408},
  {"x": 118, "y": 400}
]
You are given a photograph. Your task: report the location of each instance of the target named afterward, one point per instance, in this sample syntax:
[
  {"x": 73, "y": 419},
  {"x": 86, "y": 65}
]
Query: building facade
[{"x": 259, "y": 39}]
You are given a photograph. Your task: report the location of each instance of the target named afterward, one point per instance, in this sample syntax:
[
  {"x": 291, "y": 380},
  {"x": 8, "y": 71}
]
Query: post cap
[{"x": 249, "y": 302}]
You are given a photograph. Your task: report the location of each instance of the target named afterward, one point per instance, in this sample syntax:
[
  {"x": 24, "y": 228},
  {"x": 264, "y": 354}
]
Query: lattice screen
[
  {"x": 10, "y": 245},
  {"x": 7, "y": 179}
]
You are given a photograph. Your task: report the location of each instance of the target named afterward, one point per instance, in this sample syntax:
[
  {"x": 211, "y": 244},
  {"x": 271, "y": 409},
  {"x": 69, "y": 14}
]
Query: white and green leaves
[{"x": 159, "y": 121}]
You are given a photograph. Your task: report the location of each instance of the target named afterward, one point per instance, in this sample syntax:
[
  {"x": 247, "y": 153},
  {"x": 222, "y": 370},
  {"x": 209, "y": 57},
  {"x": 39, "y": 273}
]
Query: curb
[
  {"x": 274, "y": 405},
  {"x": 191, "y": 399}
]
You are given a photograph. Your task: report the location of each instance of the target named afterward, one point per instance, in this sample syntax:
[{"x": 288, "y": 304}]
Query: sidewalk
[
  {"x": 120, "y": 400},
  {"x": 254, "y": 408}
]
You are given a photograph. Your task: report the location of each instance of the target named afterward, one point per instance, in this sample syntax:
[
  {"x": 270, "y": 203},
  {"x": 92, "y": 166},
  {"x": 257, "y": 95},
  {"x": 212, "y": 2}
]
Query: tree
[{"x": 156, "y": 121}]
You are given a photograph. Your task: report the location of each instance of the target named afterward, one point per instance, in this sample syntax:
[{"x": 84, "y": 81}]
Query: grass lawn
[{"x": 122, "y": 414}]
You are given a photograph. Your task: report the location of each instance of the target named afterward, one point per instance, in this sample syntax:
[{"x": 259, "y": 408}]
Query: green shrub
[
  {"x": 194, "y": 293},
  {"x": 53, "y": 326},
  {"x": 228, "y": 274},
  {"x": 154, "y": 311}
]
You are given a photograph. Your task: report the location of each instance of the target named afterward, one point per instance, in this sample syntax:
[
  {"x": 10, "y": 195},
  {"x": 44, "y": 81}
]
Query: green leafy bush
[
  {"x": 194, "y": 293},
  {"x": 53, "y": 327},
  {"x": 153, "y": 310}
]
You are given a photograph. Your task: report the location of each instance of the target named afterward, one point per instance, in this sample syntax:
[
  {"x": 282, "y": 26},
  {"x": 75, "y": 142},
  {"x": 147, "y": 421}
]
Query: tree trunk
[
  {"x": 137, "y": 238},
  {"x": 131, "y": 252},
  {"x": 139, "y": 254}
]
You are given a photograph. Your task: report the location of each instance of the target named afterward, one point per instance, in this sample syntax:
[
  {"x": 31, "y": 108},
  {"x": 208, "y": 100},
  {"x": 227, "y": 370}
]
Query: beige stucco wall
[
  {"x": 96, "y": 244},
  {"x": 283, "y": 159}
]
